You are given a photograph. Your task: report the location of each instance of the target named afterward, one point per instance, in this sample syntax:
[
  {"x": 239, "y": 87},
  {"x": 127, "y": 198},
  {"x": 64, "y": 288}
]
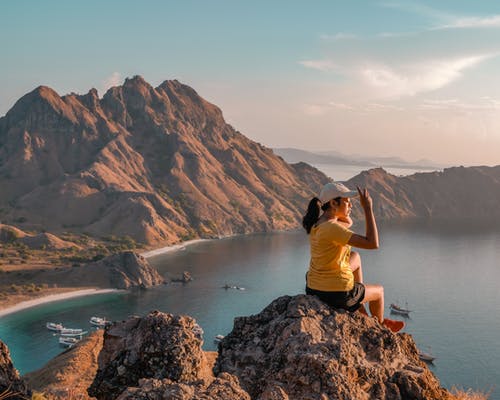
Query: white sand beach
[
  {"x": 54, "y": 297},
  {"x": 168, "y": 249},
  {"x": 87, "y": 292}
]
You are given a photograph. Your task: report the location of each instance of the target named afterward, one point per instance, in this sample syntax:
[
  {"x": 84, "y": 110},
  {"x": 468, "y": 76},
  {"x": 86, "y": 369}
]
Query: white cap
[{"x": 335, "y": 189}]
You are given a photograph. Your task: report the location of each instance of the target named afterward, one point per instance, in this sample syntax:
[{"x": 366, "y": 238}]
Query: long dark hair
[
  {"x": 313, "y": 210},
  {"x": 312, "y": 213}
]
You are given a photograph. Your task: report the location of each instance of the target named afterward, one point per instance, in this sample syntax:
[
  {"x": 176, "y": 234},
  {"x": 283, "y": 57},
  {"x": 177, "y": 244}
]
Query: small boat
[
  {"x": 54, "y": 327},
  {"x": 68, "y": 341},
  {"x": 100, "y": 322},
  {"x": 396, "y": 309},
  {"x": 218, "y": 338},
  {"x": 426, "y": 357},
  {"x": 70, "y": 331},
  {"x": 80, "y": 334}
]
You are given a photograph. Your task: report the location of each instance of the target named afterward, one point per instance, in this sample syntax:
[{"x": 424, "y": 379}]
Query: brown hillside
[
  {"x": 69, "y": 374},
  {"x": 455, "y": 193},
  {"x": 158, "y": 164}
]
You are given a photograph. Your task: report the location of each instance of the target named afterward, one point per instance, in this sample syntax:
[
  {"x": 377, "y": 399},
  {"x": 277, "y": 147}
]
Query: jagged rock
[
  {"x": 299, "y": 348},
  {"x": 125, "y": 270},
  {"x": 158, "y": 346},
  {"x": 11, "y": 384}
]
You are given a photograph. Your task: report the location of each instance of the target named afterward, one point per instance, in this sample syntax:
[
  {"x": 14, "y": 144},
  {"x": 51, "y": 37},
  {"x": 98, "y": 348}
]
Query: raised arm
[{"x": 370, "y": 240}]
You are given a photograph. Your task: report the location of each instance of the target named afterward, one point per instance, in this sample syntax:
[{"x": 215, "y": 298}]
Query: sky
[{"x": 414, "y": 79}]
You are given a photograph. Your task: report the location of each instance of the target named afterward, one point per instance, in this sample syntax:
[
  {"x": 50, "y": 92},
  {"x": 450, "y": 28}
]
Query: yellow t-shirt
[{"x": 329, "y": 268}]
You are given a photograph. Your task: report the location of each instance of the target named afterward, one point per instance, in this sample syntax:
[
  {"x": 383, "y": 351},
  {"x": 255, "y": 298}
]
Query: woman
[{"x": 335, "y": 274}]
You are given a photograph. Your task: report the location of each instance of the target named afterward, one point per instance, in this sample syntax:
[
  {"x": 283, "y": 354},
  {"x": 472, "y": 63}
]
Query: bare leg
[
  {"x": 374, "y": 296},
  {"x": 357, "y": 270}
]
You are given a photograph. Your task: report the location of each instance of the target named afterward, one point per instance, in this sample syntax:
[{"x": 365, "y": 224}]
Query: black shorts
[{"x": 349, "y": 301}]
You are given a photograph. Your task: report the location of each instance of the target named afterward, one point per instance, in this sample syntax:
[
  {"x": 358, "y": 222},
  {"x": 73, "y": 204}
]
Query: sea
[{"x": 446, "y": 273}]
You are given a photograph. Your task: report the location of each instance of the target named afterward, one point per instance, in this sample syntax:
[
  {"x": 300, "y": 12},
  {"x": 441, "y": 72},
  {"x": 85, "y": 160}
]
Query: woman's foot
[{"x": 393, "y": 325}]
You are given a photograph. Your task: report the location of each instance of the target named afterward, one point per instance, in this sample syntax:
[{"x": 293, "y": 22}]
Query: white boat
[
  {"x": 54, "y": 327},
  {"x": 100, "y": 322},
  {"x": 70, "y": 331},
  {"x": 396, "y": 309},
  {"x": 68, "y": 341},
  {"x": 218, "y": 338},
  {"x": 80, "y": 334},
  {"x": 427, "y": 357}
]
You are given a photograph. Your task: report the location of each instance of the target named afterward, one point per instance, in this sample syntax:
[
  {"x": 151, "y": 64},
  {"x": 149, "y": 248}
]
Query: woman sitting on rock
[{"x": 335, "y": 274}]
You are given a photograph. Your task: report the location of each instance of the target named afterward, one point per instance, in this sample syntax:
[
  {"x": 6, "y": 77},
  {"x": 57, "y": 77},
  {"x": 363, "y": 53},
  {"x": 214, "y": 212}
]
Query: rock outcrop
[
  {"x": 297, "y": 348},
  {"x": 160, "y": 164},
  {"x": 157, "y": 357},
  {"x": 12, "y": 387},
  {"x": 123, "y": 271}
]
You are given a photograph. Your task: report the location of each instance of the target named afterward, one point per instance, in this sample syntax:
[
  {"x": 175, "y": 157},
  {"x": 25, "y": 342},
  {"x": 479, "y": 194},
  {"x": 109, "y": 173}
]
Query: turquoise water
[{"x": 448, "y": 276}]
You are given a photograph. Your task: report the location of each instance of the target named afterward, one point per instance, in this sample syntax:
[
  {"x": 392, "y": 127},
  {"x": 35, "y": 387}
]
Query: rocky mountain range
[
  {"x": 157, "y": 164},
  {"x": 161, "y": 165}
]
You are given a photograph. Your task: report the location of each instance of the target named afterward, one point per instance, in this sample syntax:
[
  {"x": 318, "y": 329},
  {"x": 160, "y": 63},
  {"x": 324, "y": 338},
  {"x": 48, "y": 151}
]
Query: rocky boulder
[
  {"x": 299, "y": 348},
  {"x": 12, "y": 387},
  {"x": 144, "y": 358},
  {"x": 123, "y": 271}
]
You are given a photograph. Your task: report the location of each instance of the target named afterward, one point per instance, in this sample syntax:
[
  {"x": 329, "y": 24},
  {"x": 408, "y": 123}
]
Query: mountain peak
[{"x": 136, "y": 80}]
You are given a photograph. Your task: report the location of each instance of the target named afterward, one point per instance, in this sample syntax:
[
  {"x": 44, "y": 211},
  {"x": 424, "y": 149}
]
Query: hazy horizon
[{"x": 410, "y": 79}]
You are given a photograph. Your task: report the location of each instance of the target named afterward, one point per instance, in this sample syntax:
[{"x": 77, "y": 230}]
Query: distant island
[{"x": 293, "y": 155}]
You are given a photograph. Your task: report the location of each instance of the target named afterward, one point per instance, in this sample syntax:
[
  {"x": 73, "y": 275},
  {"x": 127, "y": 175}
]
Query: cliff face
[
  {"x": 455, "y": 193},
  {"x": 158, "y": 164}
]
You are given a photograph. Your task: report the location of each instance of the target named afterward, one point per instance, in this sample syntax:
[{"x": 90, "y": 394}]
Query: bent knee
[{"x": 374, "y": 290}]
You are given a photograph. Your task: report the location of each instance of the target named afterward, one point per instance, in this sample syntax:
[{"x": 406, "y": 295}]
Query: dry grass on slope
[{"x": 69, "y": 374}]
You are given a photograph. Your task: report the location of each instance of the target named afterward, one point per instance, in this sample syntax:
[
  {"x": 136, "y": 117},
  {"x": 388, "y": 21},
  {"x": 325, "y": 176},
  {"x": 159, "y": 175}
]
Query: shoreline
[
  {"x": 69, "y": 294},
  {"x": 171, "y": 248},
  {"x": 53, "y": 297}
]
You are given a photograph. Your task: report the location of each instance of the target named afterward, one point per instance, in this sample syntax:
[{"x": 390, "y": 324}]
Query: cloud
[
  {"x": 321, "y": 65},
  {"x": 417, "y": 78},
  {"x": 473, "y": 22},
  {"x": 443, "y": 19},
  {"x": 113, "y": 80}
]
